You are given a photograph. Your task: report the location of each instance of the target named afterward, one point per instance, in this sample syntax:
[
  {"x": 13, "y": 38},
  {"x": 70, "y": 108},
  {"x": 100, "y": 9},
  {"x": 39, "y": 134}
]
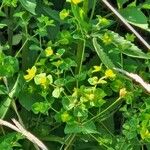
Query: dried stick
[
  {"x": 17, "y": 127},
  {"x": 135, "y": 77},
  {"x": 126, "y": 23}
]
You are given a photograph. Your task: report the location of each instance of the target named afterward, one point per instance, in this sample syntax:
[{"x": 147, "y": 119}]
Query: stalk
[
  {"x": 104, "y": 111},
  {"x": 10, "y": 28},
  {"x": 25, "y": 49}
]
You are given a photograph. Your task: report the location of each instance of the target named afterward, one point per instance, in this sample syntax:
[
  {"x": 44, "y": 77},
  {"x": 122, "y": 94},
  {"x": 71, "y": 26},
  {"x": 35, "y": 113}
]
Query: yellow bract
[
  {"x": 31, "y": 73},
  {"x": 48, "y": 51},
  {"x": 106, "y": 39},
  {"x": 41, "y": 79},
  {"x": 63, "y": 14},
  {"x": 76, "y": 1},
  {"x": 91, "y": 96},
  {"x": 110, "y": 74},
  {"x": 122, "y": 92},
  {"x": 96, "y": 68},
  {"x": 65, "y": 117},
  {"x": 145, "y": 133}
]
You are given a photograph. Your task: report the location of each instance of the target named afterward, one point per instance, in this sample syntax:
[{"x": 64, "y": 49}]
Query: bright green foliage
[
  {"x": 10, "y": 62},
  {"x": 10, "y": 141},
  {"x": 58, "y": 76},
  {"x": 40, "y": 107}
]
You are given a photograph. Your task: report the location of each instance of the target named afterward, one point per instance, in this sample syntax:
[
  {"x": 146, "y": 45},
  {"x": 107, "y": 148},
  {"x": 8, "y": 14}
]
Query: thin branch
[
  {"x": 17, "y": 127},
  {"x": 126, "y": 23},
  {"x": 135, "y": 77}
]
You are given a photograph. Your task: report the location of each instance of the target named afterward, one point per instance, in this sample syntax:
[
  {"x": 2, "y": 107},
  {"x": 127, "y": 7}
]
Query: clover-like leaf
[{"x": 57, "y": 91}]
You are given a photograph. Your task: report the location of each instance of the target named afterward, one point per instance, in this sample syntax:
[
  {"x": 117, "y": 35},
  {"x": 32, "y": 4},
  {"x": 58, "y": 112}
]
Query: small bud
[{"x": 122, "y": 92}]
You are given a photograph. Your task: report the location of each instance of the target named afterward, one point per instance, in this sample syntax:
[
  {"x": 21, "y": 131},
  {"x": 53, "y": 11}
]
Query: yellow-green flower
[
  {"x": 104, "y": 21},
  {"x": 122, "y": 92},
  {"x": 106, "y": 39},
  {"x": 31, "y": 73},
  {"x": 57, "y": 63},
  {"x": 76, "y": 1},
  {"x": 75, "y": 92},
  {"x": 41, "y": 79},
  {"x": 48, "y": 51},
  {"x": 96, "y": 69},
  {"x": 110, "y": 74},
  {"x": 63, "y": 14},
  {"x": 65, "y": 117},
  {"x": 145, "y": 133},
  {"x": 90, "y": 96}
]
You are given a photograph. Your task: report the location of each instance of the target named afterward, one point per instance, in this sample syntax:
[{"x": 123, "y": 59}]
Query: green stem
[
  {"x": 38, "y": 121},
  {"x": 80, "y": 56},
  {"x": 16, "y": 111},
  {"x": 104, "y": 111},
  {"x": 65, "y": 142},
  {"x": 10, "y": 29},
  {"x": 85, "y": 6},
  {"x": 1, "y": 5},
  {"x": 99, "y": 140},
  {"x": 93, "y": 9},
  {"x": 70, "y": 142},
  {"x": 121, "y": 56},
  {"x": 23, "y": 45},
  {"x": 25, "y": 51},
  {"x": 6, "y": 104}
]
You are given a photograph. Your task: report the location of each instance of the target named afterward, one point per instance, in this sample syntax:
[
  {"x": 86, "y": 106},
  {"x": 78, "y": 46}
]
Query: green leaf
[
  {"x": 29, "y": 5},
  {"x": 35, "y": 47},
  {"x": 51, "y": 13},
  {"x": 102, "y": 55},
  {"x": 57, "y": 91},
  {"x": 5, "y": 104},
  {"x": 69, "y": 102},
  {"x": 93, "y": 80},
  {"x": 146, "y": 5},
  {"x": 27, "y": 99},
  {"x": 41, "y": 107},
  {"x": 11, "y": 63},
  {"x": 82, "y": 76},
  {"x": 2, "y": 25},
  {"x": 121, "y": 2},
  {"x": 76, "y": 127},
  {"x": 3, "y": 89},
  {"x": 10, "y": 140},
  {"x": 80, "y": 111},
  {"x": 135, "y": 16},
  {"x": 60, "y": 51},
  {"x": 127, "y": 47},
  {"x": 16, "y": 39},
  {"x": 67, "y": 64},
  {"x": 80, "y": 16}
]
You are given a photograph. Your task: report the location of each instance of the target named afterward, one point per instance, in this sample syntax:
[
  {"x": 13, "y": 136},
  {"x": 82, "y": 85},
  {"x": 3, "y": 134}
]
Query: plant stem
[
  {"x": 25, "y": 50},
  {"x": 70, "y": 142},
  {"x": 99, "y": 141},
  {"x": 93, "y": 9},
  {"x": 23, "y": 45},
  {"x": 104, "y": 111},
  {"x": 65, "y": 142},
  {"x": 10, "y": 29},
  {"x": 16, "y": 111},
  {"x": 80, "y": 56},
  {"x": 85, "y": 6}
]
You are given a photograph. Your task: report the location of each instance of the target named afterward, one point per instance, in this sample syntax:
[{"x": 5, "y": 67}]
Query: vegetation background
[{"x": 68, "y": 73}]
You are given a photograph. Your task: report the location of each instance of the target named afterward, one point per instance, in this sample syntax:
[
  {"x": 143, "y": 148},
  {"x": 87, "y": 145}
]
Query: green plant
[{"x": 57, "y": 74}]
